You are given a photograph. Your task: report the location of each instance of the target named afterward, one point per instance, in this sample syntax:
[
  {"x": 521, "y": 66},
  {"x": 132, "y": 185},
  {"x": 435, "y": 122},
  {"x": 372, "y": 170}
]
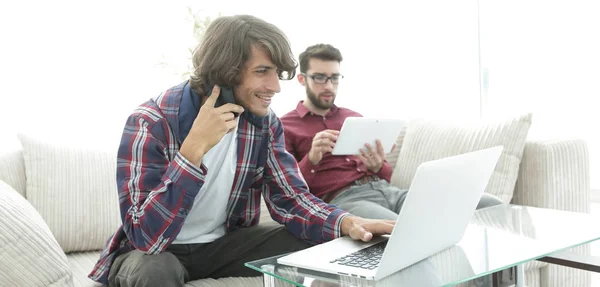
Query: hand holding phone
[
  {"x": 209, "y": 127},
  {"x": 226, "y": 95}
]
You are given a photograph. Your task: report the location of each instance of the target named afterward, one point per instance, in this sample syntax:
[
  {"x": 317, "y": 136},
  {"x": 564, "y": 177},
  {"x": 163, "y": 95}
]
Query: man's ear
[{"x": 301, "y": 79}]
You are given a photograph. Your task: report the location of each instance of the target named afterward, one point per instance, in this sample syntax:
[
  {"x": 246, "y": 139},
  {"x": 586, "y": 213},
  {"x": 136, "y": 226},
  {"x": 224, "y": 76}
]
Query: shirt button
[
  {"x": 312, "y": 171},
  {"x": 347, "y": 159}
]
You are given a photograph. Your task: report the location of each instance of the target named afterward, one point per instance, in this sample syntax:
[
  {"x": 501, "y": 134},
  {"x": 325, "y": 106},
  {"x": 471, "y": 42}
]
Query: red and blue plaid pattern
[{"x": 157, "y": 185}]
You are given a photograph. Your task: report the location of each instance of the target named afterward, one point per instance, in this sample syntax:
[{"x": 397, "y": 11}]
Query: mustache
[{"x": 326, "y": 94}]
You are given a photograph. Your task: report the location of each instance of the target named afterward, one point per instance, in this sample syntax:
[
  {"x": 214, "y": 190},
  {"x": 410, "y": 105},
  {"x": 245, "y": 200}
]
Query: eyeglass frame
[{"x": 327, "y": 78}]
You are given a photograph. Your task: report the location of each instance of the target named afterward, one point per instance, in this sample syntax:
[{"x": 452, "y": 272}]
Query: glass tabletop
[{"x": 497, "y": 238}]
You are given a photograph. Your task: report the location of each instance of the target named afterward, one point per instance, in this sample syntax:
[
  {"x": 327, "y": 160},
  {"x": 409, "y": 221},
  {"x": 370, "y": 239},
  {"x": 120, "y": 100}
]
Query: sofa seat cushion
[
  {"x": 431, "y": 140},
  {"x": 29, "y": 255}
]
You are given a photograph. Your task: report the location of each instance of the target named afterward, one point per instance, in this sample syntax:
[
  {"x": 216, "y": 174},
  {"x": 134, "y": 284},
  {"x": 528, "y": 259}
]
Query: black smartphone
[{"x": 226, "y": 95}]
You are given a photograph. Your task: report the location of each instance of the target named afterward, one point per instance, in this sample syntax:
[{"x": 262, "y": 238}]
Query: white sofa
[{"x": 71, "y": 192}]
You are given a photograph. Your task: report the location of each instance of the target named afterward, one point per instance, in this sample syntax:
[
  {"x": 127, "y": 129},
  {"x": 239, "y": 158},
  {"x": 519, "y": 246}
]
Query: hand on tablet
[
  {"x": 323, "y": 142},
  {"x": 373, "y": 158}
]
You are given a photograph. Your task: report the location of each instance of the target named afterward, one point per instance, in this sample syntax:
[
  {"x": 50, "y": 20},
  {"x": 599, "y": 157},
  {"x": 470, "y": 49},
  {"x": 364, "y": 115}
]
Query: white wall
[
  {"x": 77, "y": 68},
  {"x": 80, "y": 68},
  {"x": 543, "y": 57}
]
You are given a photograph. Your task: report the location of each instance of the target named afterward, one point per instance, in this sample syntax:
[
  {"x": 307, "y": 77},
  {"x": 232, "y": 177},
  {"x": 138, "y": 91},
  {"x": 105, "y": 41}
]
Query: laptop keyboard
[{"x": 367, "y": 258}]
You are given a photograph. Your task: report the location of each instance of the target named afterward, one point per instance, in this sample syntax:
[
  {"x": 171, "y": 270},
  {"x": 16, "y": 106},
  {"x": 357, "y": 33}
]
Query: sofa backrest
[{"x": 72, "y": 186}]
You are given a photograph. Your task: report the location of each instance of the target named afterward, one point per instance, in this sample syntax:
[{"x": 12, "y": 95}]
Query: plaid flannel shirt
[{"x": 157, "y": 185}]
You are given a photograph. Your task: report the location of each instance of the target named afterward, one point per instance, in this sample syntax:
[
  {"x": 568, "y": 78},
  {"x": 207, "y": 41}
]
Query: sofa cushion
[
  {"x": 392, "y": 157},
  {"x": 81, "y": 264},
  {"x": 74, "y": 189},
  {"x": 12, "y": 169},
  {"x": 430, "y": 140},
  {"x": 30, "y": 255}
]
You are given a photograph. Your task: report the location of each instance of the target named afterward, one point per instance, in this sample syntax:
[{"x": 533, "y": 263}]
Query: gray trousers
[
  {"x": 224, "y": 257},
  {"x": 380, "y": 200}
]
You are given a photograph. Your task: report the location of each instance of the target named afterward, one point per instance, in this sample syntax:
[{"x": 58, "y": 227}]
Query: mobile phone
[{"x": 226, "y": 95}]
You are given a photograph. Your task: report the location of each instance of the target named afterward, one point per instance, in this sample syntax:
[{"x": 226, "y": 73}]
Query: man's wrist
[
  {"x": 193, "y": 153},
  {"x": 378, "y": 169},
  {"x": 347, "y": 224}
]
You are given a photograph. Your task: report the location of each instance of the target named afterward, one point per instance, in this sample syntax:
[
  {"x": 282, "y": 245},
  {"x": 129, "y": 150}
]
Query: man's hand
[
  {"x": 372, "y": 158},
  {"x": 209, "y": 127},
  {"x": 323, "y": 142},
  {"x": 364, "y": 229}
]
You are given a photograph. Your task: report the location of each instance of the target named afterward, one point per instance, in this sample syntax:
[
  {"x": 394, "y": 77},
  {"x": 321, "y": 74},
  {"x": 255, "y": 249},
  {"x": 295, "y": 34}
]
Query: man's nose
[
  {"x": 273, "y": 83},
  {"x": 328, "y": 84}
]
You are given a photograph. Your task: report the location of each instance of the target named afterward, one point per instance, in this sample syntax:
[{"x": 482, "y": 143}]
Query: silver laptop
[{"x": 436, "y": 212}]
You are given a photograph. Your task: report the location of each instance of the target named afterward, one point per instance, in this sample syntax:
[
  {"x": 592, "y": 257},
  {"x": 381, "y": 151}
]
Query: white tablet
[{"x": 358, "y": 131}]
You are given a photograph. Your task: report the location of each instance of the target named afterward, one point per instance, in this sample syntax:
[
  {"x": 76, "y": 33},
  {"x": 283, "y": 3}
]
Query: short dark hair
[
  {"x": 323, "y": 52},
  {"x": 227, "y": 45}
]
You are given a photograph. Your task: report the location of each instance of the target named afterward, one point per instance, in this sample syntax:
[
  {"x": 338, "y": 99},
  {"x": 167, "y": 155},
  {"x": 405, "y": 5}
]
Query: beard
[{"x": 317, "y": 102}]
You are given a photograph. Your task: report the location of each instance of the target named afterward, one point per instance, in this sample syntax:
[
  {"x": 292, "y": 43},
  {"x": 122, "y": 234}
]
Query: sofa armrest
[{"x": 556, "y": 175}]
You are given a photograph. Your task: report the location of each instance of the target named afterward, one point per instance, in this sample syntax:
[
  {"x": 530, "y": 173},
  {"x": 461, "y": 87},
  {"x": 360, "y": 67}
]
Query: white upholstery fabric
[
  {"x": 74, "y": 190},
  {"x": 428, "y": 140},
  {"x": 29, "y": 254},
  {"x": 532, "y": 279},
  {"x": 558, "y": 276},
  {"x": 12, "y": 170},
  {"x": 82, "y": 263},
  {"x": 392, "y": 157},
  {"x": 556, "y": 175}
]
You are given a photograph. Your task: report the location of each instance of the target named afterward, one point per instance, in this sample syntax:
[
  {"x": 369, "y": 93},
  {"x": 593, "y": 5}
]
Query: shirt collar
[
  {"x": 303, "y": 111},
  {"x": 188, "y": 111}
]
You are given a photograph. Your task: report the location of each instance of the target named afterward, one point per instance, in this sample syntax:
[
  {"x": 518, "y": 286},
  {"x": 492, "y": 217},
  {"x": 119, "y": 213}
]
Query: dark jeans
[{"x": 224, "y": 257}]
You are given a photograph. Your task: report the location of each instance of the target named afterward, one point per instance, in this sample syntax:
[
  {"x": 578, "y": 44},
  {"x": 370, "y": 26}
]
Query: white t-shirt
[{"x": 206, "y": 221}]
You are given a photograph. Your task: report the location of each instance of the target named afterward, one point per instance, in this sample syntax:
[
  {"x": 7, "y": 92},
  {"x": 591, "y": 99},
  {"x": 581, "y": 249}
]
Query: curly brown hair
[{"x": 227, "y": 45}]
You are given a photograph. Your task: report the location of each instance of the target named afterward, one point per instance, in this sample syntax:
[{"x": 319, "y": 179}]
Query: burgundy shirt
[{"x": 333, "y": 172}]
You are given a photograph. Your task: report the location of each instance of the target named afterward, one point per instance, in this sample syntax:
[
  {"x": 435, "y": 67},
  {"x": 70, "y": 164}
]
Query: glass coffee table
[{"x": 503, "y": 237}]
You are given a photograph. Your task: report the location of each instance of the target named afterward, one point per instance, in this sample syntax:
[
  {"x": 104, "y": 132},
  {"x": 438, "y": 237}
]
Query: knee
[
  {"x": 159, "y": 268},
  {"x": 149, "y": 270},
  {"x": 488, "y": 200},
  {"x": 351, "y": 206}
]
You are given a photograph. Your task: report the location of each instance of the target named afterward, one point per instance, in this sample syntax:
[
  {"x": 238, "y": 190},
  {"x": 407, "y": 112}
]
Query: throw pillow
[
  {"x": 430, "y": 140},
  {"x": 12, "y": 170},
  {"x": 74, "y": 189},
  {"x": 392, "y": 157},
  {"x": 30, "y": 255}
]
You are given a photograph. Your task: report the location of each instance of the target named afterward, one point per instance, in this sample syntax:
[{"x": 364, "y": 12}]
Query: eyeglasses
[{"x": 322, "y": 79}]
